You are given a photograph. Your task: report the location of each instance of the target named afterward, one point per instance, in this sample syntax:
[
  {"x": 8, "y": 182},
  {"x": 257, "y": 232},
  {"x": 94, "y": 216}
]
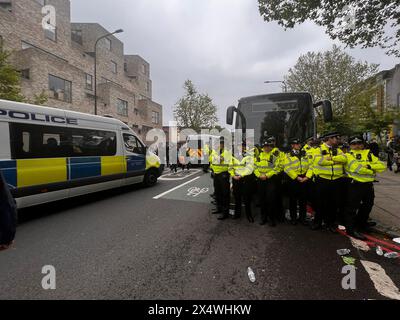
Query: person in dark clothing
[
  {"x": 374, "y": 147},
  {"x": 8, "y": 215}
]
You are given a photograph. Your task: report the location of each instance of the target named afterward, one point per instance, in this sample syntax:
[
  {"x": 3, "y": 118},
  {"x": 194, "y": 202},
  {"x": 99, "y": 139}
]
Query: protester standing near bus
[
  {"x": 296, "y": 166},
  {"x": 267, "y": 169},
  {"x": 221, "y": 160},
  {"x": 361, "y": 167},
  {"x": 241, "y": 170},
  {"x": 8, "y": 215},
  {"x": 328, "y": 168}
]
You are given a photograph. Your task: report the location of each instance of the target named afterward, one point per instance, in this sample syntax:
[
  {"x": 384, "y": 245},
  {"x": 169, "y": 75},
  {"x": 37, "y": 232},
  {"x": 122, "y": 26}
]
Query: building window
[
  {"x": 155, "y": 117},
  {"x": 89, "y": 82},
  {"x": 114, "y": 67},
  {"x": 125, "y": 67},
  {"x": 107, "y": 43},
  {"x": 147, "y": 86},
  {"x": 41, "y": 2},
  {"x": 6, "y": 5},
  {"x": 61, "y": 89},
  {"x": 25, "y": 74},
  {"x": 76, "y": 36},
  {"x": 122, "y": 107}
]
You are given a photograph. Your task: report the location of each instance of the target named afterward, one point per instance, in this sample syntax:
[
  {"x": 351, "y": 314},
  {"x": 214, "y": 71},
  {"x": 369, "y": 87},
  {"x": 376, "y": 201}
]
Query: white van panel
[
  {"x": 5, "y": 152},
  {"x": 41, "y": 198},
  {"x": 79, "y": 191}
]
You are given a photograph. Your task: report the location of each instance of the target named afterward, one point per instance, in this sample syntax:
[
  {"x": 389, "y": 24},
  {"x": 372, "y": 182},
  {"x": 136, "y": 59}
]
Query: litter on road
[
  {"x": 343, "y": 252},
  {"x": 349, "y": 260},
  {"x": 379, "y": 251},
  {"x": 251, "y": 274}
]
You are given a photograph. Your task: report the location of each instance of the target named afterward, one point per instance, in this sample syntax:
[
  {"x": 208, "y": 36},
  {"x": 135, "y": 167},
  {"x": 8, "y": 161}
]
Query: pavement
[
  {"x": 163, "y": 243},
  {"x": 386, "y": 211}
]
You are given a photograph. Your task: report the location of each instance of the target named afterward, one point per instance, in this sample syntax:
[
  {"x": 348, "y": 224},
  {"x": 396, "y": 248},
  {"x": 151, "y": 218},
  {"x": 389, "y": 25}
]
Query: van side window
[
  {"x": 132, "y": 144},
  {"x": 35, "y": 141}
]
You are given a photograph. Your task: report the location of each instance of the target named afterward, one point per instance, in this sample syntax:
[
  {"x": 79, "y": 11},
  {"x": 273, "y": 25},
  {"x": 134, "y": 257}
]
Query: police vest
[
  {"x": 268, "y": 164},
  {"x": 243, "y": 167},
  {"x": 329, "y": 169},
  {"x": 297, "y": 165},
  {"x": 221, "y": 161},
  {"x": 362, "y": 165}
]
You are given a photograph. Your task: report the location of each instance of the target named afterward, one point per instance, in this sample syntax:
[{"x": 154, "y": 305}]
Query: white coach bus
[{"x": 48, "y": 154}]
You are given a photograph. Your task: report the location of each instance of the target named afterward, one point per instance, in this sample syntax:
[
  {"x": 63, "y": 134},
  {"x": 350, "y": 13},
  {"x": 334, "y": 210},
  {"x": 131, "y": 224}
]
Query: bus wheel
[{"x": 150, "y": 178}]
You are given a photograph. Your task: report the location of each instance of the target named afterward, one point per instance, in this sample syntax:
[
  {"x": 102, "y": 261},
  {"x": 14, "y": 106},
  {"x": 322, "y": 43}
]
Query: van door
[{"x": 135, "y": 154}]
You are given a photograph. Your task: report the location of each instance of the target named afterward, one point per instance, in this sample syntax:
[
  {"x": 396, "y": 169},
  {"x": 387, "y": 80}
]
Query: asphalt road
[{"x": 124, "y": 244}]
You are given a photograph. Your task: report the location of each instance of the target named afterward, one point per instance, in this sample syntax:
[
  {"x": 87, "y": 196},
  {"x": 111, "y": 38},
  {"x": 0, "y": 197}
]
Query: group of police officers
[{"x": 336, "y": 180}]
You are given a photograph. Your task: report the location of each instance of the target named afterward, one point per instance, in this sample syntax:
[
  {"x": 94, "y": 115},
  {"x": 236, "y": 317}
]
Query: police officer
[
  {"x": 241, "y": 170},
  {"x": 221, "y": 160},
  {"x": 361, "y": 168},
  {"x": 267, "y": 169},
  {"x": 328, "y": 168},
  {"x": 296, "y": 166},
  {"x": 8, "y": 215}
]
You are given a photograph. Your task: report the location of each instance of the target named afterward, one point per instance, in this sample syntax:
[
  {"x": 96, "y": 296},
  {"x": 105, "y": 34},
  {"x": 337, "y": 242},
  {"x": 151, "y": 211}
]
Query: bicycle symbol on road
[{"x": 196, "y": 191}]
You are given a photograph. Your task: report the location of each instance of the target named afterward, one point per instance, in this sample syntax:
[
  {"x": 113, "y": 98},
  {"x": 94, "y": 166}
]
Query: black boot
[{"x": 356, "y": 234}]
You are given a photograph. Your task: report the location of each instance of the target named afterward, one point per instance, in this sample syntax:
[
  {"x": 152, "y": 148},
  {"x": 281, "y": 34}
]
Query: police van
[{"x": 49, "y": 154}]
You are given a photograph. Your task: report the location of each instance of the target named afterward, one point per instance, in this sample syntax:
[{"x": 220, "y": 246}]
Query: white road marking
[
  {"x": 359, "y": 244},
  {"x": 175, "y": 177},
  {"x": 383, "y": 284},
  {"x": 173, "y": 189}
]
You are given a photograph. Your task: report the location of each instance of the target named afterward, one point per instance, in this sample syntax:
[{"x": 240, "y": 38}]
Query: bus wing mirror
[
  {"x": 326, "y": 109},
  {"x": 229, "y": 115}
]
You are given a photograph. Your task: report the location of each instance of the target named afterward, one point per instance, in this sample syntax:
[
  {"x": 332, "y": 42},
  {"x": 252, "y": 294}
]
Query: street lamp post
[
  {"x": 278, "y": 81},
  {"x": 95, "y": 65}
]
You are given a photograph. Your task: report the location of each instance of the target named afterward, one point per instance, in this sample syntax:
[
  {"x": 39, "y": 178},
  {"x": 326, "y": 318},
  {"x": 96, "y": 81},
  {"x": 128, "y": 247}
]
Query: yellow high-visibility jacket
[
  {"x": 220, "y": 161},
  {"x": 297, "y": 165},
  {"x": 329, "y": 169},
  {"x": 243, "y": 167},
  {"x": 362, "y": 165},
  {"x": 269, "y": 164}
]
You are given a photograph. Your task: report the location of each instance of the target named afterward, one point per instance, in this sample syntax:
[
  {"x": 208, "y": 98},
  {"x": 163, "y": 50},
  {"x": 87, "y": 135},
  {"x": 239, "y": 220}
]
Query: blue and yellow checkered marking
[
  {"x": 33, "y": 172},
  {"x": 9, "y": 170},
  {"x": 79, "y": 168}
]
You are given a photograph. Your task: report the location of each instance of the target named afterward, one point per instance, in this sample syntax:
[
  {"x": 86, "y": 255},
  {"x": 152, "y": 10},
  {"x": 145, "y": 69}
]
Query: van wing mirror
[
  {"x": 326, "y": 110},
  {"x": 229, "y": 115}
]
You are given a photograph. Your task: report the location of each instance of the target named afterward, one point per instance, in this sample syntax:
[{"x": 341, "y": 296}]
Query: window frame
[
  {"x": 70, "y": 88},
  {"x": 125, "y": 114}
]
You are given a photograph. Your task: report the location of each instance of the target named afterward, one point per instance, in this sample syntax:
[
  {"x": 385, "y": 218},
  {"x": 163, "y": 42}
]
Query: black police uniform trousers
[
  {"x": 297, "y": 197},
  {"x": 222, "y": 191},
  {"x": 360, "y": 200},
  {"x": 242, "y": 190},
  {"x": 329, "y": 196},
  {"x": 267, "y": 196}
]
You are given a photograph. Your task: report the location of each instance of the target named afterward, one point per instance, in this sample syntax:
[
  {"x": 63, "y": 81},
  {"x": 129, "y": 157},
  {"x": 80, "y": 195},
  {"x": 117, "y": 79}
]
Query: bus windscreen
[{"x": 280, "y": 117}]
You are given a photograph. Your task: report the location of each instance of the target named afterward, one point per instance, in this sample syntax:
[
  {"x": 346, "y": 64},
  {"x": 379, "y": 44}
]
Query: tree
[
  {"x": 9, "y": 79},
  {"x": 195, "y": 111},
  {"x": 329, "y": 75},
  {"x": 368, "y": 23},
  {"x": 363, "y": 116}
]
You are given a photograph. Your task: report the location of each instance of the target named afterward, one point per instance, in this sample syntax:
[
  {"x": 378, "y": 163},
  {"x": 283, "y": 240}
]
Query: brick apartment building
[
  {"x": 60, "y": 62},
  {"x": 388, "y": 92}
]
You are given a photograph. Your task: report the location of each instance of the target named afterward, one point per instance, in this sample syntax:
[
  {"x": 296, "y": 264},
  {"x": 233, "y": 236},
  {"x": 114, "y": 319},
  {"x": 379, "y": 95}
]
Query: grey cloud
[{"x": 224, "y": 46}]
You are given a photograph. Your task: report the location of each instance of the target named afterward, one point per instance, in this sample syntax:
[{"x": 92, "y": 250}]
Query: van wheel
[{"x": 150, "y": 178}]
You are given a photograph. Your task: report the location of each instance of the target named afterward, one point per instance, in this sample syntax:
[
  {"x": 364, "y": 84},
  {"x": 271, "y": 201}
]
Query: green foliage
[
  {"x": 368, "y": 23},
  {"x": 40, "y": 99},
  {"x": 195, "y": 111},
  {"x": 9, "y": 79},
  {"x": 329, "y": 75}
]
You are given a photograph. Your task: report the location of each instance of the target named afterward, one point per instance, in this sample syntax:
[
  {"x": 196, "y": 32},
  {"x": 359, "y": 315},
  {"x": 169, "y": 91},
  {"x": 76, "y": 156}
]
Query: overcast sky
[{"x": 223, "y": 46}]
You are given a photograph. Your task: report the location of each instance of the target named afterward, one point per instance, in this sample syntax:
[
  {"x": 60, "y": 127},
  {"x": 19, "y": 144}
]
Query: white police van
[{"x": 48, "y": 154}]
